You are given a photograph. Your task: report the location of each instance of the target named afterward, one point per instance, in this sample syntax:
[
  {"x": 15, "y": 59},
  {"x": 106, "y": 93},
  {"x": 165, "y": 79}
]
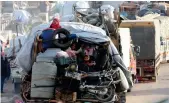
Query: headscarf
[{"x": 55, "y": 24}]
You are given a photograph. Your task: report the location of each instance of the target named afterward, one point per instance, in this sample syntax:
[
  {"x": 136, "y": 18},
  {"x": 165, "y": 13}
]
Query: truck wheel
[{"x": 121, "y": 98}]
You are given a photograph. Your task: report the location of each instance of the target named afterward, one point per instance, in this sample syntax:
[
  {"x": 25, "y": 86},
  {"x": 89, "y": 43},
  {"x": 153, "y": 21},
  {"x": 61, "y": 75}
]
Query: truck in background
[
  {"x": 128, "y": 51},
  {"x": 146, "y": 34}
]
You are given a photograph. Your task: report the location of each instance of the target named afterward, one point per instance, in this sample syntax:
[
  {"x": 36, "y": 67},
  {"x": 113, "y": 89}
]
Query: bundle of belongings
[{"x": 45, "y": 56}]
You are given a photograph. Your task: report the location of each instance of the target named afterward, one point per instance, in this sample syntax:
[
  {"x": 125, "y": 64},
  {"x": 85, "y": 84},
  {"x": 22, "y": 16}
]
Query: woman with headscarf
[{"x": 55, "y": 24}]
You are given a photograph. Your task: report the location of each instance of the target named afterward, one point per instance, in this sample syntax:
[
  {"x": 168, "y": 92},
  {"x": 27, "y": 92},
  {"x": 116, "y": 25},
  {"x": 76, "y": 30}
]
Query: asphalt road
[
  {"x": 9, "y": 96},
  {"x": 152, "y": 92},
  {"x": 141, "y": 93}
]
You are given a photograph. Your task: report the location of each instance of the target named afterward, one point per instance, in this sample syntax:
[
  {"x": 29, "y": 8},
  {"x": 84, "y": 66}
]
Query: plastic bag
[
  {"x": 82, "y": 4},
  {"x": 68, "y": 18},
  {"x": 21, "y": 16},
  {"x": 67, "y": 8},
  {"x": 24, "y": 58},
  {"x": 108, "y": 10},
  {"x": 14, "y": 43}
]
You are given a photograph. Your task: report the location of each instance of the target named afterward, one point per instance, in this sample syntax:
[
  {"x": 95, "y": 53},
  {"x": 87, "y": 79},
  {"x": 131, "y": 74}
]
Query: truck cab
[{"x": 146, "y": 34}]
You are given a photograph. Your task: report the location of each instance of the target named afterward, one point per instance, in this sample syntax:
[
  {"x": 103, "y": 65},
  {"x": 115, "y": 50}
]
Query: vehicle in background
[
  {"x": 146, "y": 34},
  {"x": 129, "y": 52},
  {"x": 164, "y": 38},
  {"x": 129, "y": 9}
]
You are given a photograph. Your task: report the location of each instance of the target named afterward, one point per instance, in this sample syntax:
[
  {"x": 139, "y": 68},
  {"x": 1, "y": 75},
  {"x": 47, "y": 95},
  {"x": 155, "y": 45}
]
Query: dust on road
[{"x": 151, "y": 92}]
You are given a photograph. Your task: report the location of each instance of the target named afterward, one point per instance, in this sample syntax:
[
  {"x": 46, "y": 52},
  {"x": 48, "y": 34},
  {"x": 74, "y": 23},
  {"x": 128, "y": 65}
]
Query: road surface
[
  {"x": 9, "y": 96},
  {"x": 151, "y": 92},
  {"x": 141, "y": 93}
]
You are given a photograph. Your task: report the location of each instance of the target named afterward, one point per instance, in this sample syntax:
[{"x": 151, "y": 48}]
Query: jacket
[{"x": 5, "y": 67}]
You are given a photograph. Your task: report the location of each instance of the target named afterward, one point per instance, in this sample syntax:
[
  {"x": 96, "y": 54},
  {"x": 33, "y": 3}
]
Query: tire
[
  {"x": 112, "y": 93},
  {"x": 66, "y": 33},
  {"x": 123, "y": 85},
  {"x": 121, "y": 98}
]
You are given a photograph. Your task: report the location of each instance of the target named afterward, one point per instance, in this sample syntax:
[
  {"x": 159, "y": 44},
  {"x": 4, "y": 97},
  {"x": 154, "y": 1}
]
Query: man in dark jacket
[{"x": 5, "y": 70}]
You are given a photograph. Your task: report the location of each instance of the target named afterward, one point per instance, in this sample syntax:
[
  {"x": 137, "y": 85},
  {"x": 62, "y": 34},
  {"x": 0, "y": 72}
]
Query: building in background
[{"x": 7, "y": 6}]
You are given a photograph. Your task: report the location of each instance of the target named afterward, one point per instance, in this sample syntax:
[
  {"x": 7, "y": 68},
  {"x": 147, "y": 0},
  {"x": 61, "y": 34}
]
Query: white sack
[
  {"x": 23, "y": 58},
  {"x": 82, "y": 4},
  {"x": 68, "y": 18},
  {"x": 86, "y": 31},
  {"x": 22, "y": 16},
  {"x": 108, "y": 10}
]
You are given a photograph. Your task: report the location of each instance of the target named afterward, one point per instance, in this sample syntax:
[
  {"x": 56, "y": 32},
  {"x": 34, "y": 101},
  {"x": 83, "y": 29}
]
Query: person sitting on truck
[{"x": 55, "y": 24}]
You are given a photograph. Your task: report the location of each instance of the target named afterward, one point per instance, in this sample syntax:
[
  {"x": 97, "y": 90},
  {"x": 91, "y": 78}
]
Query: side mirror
[{"x": 137, "y": 50}]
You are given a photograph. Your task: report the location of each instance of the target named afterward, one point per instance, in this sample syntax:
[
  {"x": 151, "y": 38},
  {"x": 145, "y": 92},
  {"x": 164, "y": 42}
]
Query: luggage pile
[{"x": 48, "y": 54}]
